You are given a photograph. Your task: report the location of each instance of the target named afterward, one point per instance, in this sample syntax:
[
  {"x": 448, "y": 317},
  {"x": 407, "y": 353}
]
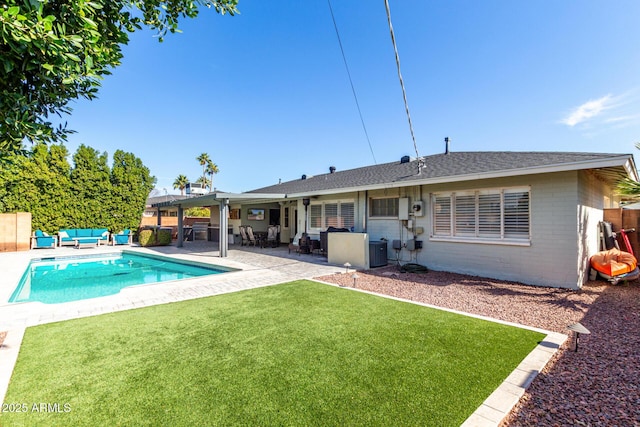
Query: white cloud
[{"x": 588, "y": 110}]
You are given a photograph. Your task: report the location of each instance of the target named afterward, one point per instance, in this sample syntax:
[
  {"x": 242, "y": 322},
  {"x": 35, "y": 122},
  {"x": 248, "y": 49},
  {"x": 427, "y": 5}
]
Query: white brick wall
[
  {"x": 550, "y": 260},
  {"x": 565, "y": 210}
]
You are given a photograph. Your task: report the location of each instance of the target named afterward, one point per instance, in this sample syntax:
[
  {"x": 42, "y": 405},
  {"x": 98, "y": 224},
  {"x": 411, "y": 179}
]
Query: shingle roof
[{"x": 438, "y": 166}]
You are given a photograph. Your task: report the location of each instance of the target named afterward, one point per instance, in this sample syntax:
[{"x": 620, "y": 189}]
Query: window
[
  {"x": 331, "y": 218},
  {"x": 347, "y": 214},
  {"x": 331, "y": 214},
  {"x": 492, "y": 214},
  {"x": 387, "y": 207},
  {"x": 315, "y": 216},
  {"x": 442, "y": 215}
]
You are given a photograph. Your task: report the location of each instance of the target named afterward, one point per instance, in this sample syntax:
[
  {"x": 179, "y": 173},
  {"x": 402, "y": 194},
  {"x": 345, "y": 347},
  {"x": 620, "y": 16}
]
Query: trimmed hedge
[{"x": 154, "y": 237}]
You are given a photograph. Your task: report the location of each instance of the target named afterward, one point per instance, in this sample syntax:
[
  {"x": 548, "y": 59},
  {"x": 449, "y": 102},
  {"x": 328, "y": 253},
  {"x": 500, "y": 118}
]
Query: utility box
[
  {"x": 403, "y": 208},
  {"x": 414, "y": 245},
  {"x": 377, "y": 254}
]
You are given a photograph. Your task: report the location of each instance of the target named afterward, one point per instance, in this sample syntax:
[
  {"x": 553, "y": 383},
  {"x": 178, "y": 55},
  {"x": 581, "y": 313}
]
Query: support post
[
  {"x": 223, "y": 244},
  {"x": 180, "y": 227}
]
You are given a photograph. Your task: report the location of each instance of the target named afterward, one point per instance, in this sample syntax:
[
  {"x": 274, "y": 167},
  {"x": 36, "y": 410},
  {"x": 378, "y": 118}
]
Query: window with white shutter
[
  {"x": 488, "y": 215},
  {"x": 323, "y": 215},
  {"x": 347, "y": 215}
]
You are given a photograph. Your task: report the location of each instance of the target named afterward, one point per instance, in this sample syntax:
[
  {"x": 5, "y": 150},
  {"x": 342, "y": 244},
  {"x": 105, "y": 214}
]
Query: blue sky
[{"x": 267, "y": 96}]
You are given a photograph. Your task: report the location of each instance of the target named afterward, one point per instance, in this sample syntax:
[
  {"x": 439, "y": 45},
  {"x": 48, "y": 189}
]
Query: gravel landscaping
[{"x": 596, "y": 386}]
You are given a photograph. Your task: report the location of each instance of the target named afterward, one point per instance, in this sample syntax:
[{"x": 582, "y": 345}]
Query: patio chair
[
  {"x": 122, "y": 238},
  {"x": 250, "y": 236},
  {"x": 295, "y": 244},
  {"x": 41, "y": 240},
  {"x": 272, "y": 236},
  {"x": 243, "y": 235}
]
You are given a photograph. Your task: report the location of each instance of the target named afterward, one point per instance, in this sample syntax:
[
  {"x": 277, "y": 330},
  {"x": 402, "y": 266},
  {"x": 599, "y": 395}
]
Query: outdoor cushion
[
  {"x": 84, "y": 232},
  {"x": 103, "y": 233},
  {"x": 43, "y": 240},
  {"x": 63, "y": 234},
  {"x": 121, "y": 238}
]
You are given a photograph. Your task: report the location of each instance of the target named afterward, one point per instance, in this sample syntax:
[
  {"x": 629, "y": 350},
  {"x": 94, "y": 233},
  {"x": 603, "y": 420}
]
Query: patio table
[{"x": 88, "y": 242}]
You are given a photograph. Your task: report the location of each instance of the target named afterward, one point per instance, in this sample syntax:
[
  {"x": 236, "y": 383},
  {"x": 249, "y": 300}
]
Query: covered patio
[{"x": 223, "y": 201}]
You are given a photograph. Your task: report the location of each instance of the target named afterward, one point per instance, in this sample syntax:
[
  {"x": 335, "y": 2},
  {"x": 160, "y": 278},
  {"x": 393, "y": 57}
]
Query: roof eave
[{"x": 625, "y": 161}]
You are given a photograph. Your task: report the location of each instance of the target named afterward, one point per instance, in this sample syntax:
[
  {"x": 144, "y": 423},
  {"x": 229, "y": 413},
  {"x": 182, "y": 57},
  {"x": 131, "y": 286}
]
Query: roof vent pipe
[
  {"x": 332, "y": 169},
  {"x": 304, "y": 176},
  {"x": 405, "y": 159},
  {"x": 446, "y": 145}
]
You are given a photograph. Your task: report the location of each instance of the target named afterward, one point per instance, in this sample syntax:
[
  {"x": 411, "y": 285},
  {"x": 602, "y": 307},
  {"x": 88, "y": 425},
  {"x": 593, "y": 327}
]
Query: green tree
[
  {"x": 204, "y": 181},
  {"x": 201, "y": 212},
  {"x": 38, "y": 182},
  {"x": 628, "y": 187},
  {"x": 131, "y": 183},
  {"x": 89, "y": 195},
  {"x": 212, "y": 169},
  {"x": 52, "y": 52},
  {"x": 91, "y": 188},
  {"x": 180, "y": 182},
  {"x": 204, "y": 160}
]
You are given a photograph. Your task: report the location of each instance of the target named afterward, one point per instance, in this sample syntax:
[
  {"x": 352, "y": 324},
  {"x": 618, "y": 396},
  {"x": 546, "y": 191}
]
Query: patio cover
[{"x": 221, "y": 199}]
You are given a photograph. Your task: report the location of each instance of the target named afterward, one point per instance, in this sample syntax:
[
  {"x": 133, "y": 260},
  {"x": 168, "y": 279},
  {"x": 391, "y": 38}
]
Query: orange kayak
[{"x": 613, "y": 262}]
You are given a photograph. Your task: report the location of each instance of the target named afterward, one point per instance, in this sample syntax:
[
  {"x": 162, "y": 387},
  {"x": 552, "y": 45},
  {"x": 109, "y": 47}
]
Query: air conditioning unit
[{"x": 417, "y": 208}]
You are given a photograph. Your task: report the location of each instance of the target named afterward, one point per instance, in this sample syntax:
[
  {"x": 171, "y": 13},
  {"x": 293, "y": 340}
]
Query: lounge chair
[
  {"x": 41, "y": 239},
  {"x": 122, "y": 238}
]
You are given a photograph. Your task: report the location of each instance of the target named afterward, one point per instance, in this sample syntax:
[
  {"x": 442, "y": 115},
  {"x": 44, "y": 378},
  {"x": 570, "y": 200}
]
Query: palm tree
[
  {"x": 204, "y": 181},
  {"x": 204, "y": 160},
  {"x": 181, "y": 183},
  {"x": 628, "y": 187},
  {"x": 212, "y": 169}
]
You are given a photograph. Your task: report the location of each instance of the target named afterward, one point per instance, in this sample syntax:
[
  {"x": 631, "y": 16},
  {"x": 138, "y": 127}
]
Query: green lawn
[{"x": 300, "y": 353}]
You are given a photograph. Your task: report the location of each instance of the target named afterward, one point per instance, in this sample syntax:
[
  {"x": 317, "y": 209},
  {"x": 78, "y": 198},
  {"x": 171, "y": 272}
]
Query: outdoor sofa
[{"x": 75, "y": 236}]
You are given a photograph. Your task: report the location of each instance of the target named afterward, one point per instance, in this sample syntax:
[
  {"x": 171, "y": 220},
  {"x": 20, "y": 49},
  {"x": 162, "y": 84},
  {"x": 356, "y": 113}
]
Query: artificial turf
[{"x": 300, "y": 353}]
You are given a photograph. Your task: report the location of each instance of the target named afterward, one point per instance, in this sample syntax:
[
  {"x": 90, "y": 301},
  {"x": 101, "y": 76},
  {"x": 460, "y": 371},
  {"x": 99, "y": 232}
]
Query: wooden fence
[{"x": 15, "y": 231}]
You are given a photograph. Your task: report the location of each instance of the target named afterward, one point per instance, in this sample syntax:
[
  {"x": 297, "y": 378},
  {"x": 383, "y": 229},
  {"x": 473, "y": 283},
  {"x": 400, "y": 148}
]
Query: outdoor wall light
[{"x": 306, "y": 201}]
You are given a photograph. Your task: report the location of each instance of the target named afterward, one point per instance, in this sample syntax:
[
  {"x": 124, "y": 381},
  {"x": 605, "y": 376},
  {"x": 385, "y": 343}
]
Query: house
[{"x": 526, "y": 216}]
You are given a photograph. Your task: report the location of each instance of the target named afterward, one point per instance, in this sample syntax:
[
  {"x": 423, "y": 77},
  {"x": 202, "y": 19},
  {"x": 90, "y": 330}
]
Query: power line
[
  {"x": 404, "y": 92},
  {"x": 344, "y": 58}
]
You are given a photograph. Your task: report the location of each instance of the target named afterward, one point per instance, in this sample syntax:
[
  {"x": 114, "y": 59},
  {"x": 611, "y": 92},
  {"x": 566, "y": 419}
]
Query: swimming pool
[{"x": 63, "y": 279}]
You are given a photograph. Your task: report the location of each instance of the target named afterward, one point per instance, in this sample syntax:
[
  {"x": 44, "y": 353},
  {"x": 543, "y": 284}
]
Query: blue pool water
[{"x": 65, "y": 279}]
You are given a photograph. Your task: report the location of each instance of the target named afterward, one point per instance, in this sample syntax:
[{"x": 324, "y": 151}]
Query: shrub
[
  {"x": 146, "y": 238},
  {"x": 164, "y": 237},
  {"x": 154, "y": 237}
]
